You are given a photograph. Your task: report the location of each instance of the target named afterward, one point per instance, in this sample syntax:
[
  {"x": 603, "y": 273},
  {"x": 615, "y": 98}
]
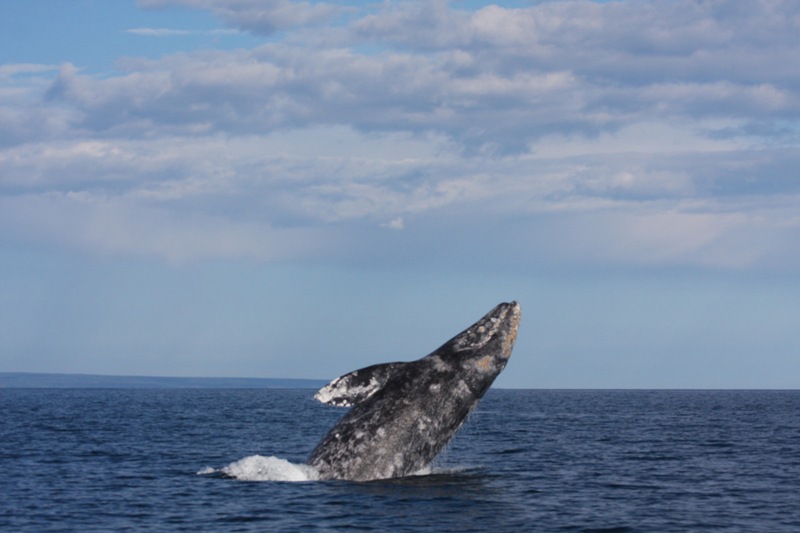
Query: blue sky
[{"x": 299, "y": 189}]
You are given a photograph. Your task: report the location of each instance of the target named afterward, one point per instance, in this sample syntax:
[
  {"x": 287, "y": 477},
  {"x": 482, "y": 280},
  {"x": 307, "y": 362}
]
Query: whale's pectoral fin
[{"x": 356, "y": 386}]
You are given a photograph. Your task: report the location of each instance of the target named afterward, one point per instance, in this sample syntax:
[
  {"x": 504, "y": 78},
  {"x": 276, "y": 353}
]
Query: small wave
[{"x": 260, "y": 468}]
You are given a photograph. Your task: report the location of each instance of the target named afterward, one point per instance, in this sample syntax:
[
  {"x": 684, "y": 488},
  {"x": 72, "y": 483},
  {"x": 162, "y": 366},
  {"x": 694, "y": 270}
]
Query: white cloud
[
  {"x": 395, "y": 223},
  {"x": 259, "y": 16},
  {"x": 482, "y": 94},
  {"x": 655, "y": 133},
  {"x": 10, "y": 70}
]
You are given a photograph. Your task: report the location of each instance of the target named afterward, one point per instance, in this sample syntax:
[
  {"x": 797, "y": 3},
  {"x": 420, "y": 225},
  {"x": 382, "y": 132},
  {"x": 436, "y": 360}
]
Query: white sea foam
[{"x": 260, "y": 468}]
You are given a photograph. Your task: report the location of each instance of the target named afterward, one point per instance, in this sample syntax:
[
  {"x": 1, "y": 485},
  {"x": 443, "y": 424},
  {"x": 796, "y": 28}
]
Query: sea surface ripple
[{"x": 526, "y": 460}]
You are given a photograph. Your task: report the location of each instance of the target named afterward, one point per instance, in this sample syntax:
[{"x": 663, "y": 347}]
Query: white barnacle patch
[
  {"x": 341, "y": 393},
  {"x": 399, "y": 461},
  {"x": 461, "y": 389},
  {"x": 435, "y": 387},
  {"x": 480, "y": 333},
  {"x": 331, "y": 391},
  {"x": 439, "y": 365}
]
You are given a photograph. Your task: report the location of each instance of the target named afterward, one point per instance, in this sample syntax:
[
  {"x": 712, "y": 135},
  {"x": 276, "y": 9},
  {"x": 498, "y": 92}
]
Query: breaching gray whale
[{"x": 404, "y": 413}]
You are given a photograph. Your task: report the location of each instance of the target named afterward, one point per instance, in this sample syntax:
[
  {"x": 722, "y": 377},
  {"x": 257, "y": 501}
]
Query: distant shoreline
[{"x": 34, "y": 380}]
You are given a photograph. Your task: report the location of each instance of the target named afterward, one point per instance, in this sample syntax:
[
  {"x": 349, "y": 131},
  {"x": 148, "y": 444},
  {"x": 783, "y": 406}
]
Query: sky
[{"x": 247, "y": 188}]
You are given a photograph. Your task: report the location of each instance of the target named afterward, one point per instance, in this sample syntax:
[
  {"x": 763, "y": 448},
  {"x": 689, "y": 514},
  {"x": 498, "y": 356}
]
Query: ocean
[{"x": 526, "y": 460}]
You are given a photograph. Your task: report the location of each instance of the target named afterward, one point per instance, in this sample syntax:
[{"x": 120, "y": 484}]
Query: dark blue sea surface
[{"x": 532, "y": 460}]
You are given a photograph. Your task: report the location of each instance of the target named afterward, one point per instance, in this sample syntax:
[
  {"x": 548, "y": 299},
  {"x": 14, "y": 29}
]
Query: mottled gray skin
[{"x": 405, "y": 413}]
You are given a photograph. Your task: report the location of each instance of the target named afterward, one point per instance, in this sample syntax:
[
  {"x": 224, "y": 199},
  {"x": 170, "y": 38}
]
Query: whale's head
[
  {"x": 496, "y": 332},
  {"x": 482, "y": 350}
]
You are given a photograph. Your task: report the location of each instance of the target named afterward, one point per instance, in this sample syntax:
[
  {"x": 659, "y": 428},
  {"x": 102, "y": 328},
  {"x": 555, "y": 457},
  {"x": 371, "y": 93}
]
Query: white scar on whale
[{"x": 403, "y": 414}]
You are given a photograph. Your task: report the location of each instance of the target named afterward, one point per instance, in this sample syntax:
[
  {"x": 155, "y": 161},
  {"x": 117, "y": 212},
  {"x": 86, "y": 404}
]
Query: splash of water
[{"x": 260, "y": 468}]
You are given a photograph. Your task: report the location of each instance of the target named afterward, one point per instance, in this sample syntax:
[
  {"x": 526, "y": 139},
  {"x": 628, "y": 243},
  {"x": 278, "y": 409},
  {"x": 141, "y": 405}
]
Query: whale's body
[{"x": 403, "y": 414}]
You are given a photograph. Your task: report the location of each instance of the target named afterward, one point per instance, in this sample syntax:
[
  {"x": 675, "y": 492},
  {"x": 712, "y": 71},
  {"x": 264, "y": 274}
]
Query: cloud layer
[{"x": 632, "y": 133}]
